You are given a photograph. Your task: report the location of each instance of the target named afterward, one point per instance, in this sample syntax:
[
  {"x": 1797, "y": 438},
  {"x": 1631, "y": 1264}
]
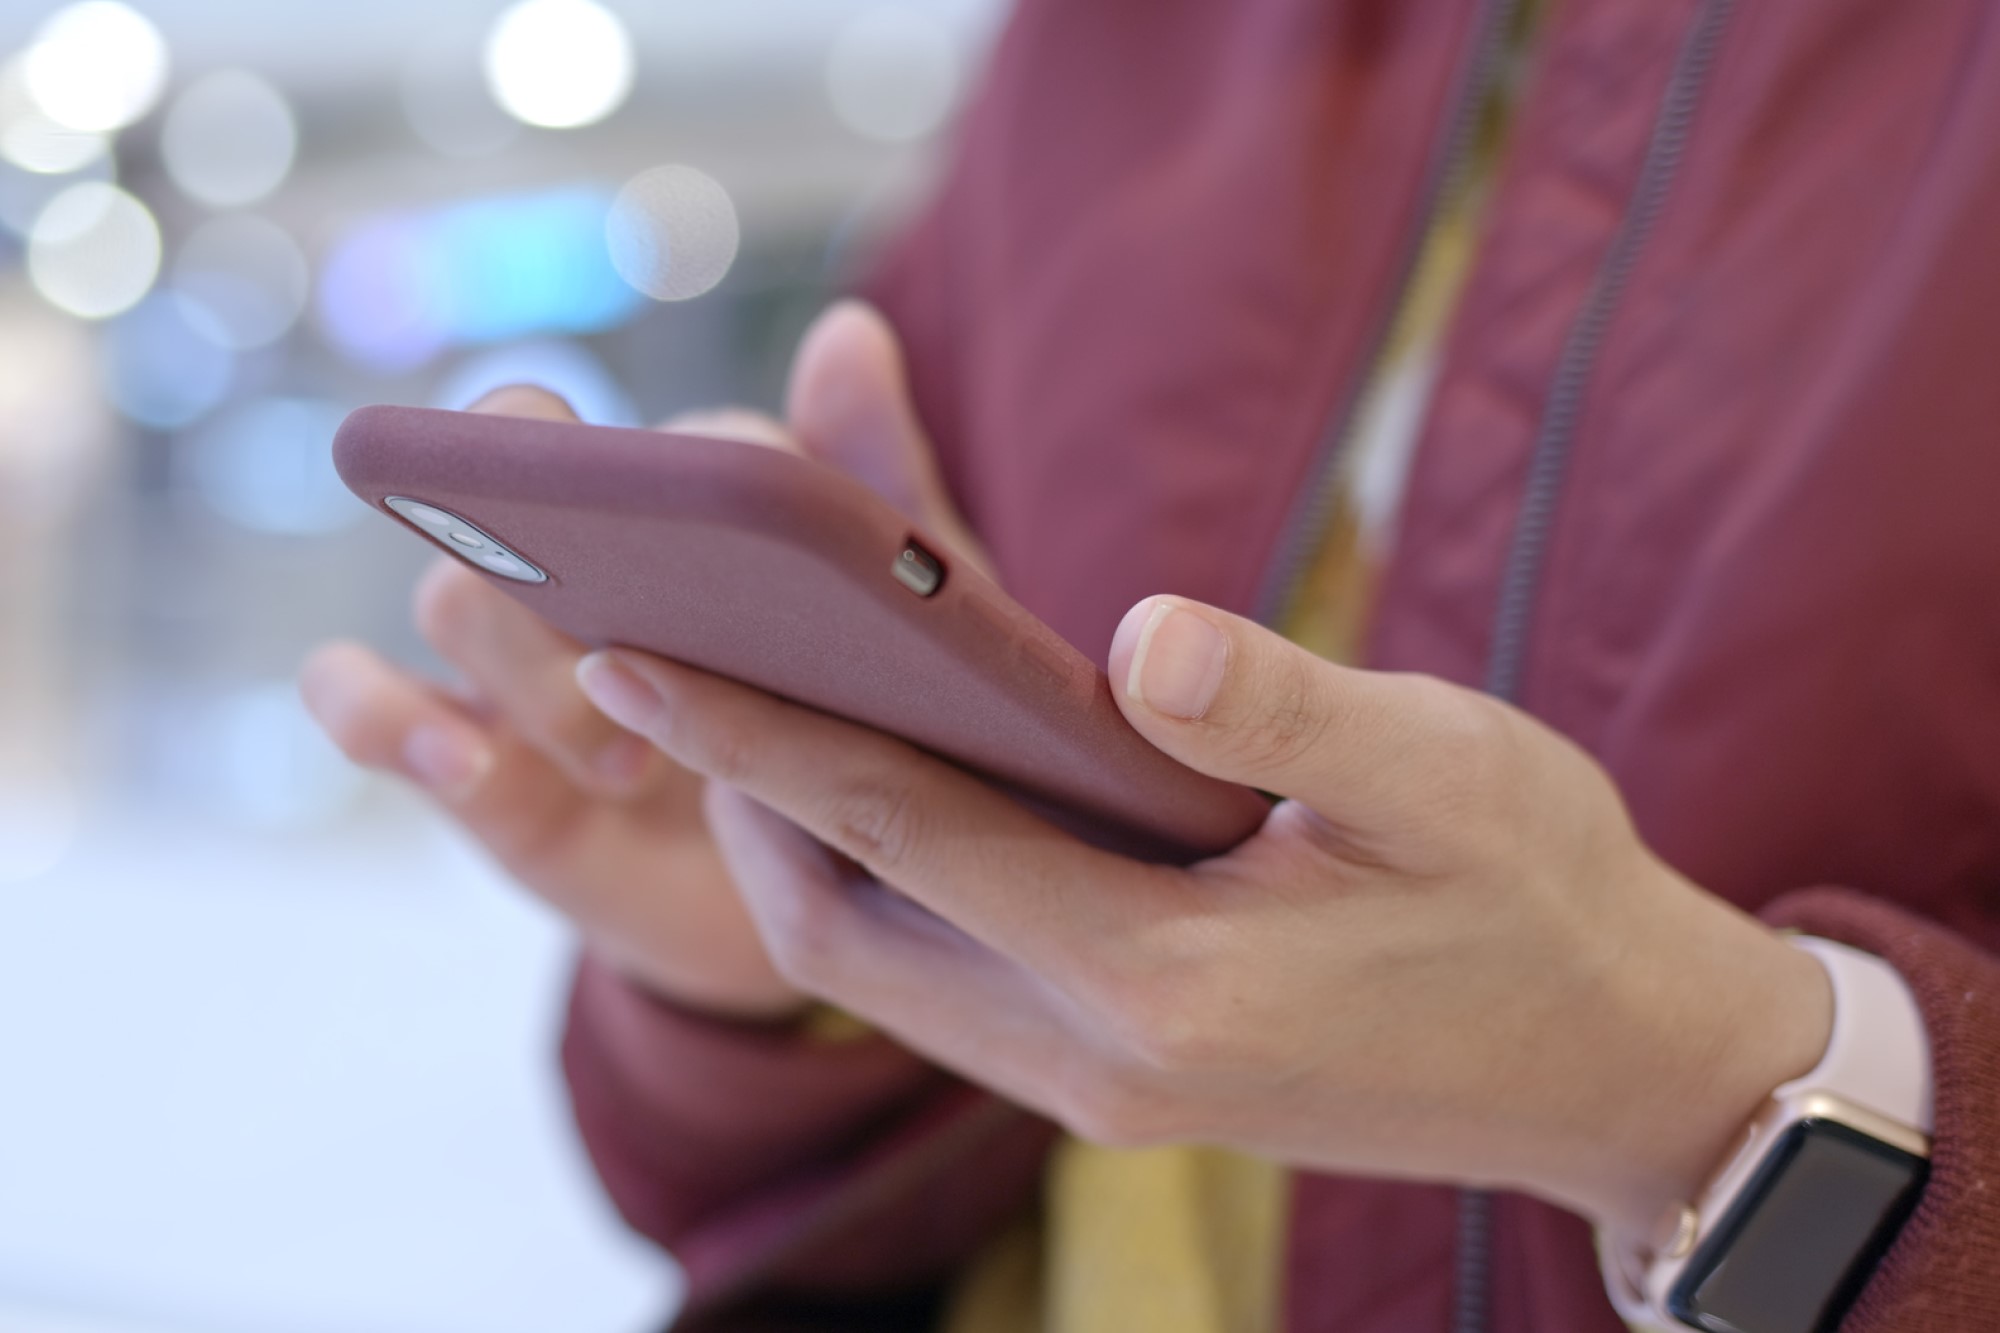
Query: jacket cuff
[
  {"x": 682, "y": 1112},
  {"x": 1939, "y": 1273}
]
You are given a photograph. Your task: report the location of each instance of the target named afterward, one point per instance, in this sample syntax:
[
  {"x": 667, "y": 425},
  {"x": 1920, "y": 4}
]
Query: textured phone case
[{"x": 776, "y": 571}]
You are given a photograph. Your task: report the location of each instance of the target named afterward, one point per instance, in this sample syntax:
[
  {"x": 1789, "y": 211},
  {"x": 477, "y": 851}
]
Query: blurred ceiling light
[
  {"x": 31, "y": 140},
  {"x": 24, "y": 194},
  {"x": 248, "y": 274},
  {"x": 672, "y": 233},
  {"x": 267, "y": 465},
  {"x": 97, "y": 66},
  {"x": 93, "y": 251},
  {"x": 559, "y": 63},
  {"x": 564, "y": 368},
  {"x": 164, "y": 364},
  {"x": 892, "y": 73},
  {"x": 398, "y": 290},
  {"x": 446, "y": 102},
  {"x": 229, "y": 139}
]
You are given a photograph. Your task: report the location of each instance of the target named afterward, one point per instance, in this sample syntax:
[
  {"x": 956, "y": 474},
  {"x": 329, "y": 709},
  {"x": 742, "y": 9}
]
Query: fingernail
[
  {"x": 622, "y": 761},
  {"x": 618, "y": 691},
  {"x": 450, "y": 762},
  {"x": 1178, "y": 664}
]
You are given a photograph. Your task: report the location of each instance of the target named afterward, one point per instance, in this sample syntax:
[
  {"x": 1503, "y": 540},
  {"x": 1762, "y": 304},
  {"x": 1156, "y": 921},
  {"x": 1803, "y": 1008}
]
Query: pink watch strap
[{"x": 1878, "y": 1056}]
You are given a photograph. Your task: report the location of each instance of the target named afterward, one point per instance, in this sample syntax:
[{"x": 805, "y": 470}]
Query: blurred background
[{"x": 276, "y": 1049}]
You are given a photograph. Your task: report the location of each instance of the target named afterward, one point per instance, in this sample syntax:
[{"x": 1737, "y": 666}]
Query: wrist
[{"x": 1719, "y": 1013}]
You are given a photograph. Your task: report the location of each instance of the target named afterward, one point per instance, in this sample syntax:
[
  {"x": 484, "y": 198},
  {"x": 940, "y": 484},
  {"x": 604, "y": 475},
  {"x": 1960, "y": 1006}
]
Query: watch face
[{"x": 1803, "y": 1235}]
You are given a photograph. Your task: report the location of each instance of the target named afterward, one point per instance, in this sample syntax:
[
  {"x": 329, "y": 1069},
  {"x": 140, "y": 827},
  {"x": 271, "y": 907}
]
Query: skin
[{"x": 1446, "y": 956}]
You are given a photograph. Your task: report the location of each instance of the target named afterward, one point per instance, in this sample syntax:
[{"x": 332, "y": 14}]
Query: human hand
[
  {"x": 590, "y": 818},
  {"x": 1445, "y": 956}
]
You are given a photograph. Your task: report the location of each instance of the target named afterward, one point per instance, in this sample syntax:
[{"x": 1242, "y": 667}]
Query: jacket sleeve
[
  {"x": 1941, "y": 1272},
  {"x": 787, "y": 1169}
]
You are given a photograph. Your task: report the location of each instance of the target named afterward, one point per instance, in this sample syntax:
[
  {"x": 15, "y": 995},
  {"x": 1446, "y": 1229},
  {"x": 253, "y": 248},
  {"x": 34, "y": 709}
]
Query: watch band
[
  {"x": 1877, "y": 1062},
  {"x": 1878, "y": 1056}
]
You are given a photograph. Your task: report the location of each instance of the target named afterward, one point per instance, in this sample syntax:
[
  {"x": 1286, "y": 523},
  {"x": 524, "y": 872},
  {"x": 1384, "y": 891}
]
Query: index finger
[{"x": 943, "y": 837}]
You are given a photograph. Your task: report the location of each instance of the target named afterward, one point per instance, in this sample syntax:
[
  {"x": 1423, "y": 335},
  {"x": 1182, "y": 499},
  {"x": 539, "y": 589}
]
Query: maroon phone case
[{"x": 775, "y": 570}]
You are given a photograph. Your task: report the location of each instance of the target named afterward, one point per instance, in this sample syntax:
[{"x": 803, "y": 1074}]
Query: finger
[
  {"x": 734, "y": 423},
  {"x": 886, "y": 960},
  {"x": 849, "y": 401},
  {"x": 525, "y": 400},
  {"x": 527, "y": 671},
  {"x": 503, "y": 791},
  {"x": 384, "y": 719},
  {"x": 969, "y": 854},
  {"x": 1230, "y": 698}
]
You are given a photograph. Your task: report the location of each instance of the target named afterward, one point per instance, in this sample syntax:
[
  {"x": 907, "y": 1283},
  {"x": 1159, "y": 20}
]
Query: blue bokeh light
[
  {"x": 401, "y": 288},
  {"x": 267, "y": 465},
  {"x": 164, "y": 363}
]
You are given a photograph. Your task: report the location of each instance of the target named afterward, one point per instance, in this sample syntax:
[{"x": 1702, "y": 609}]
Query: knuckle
[
  {"x": 1176, "y": 1038},
  {"x": 1473, "y": 740},
  {"x": 877, "y": 824},
  {"x": 448, "y": 605},
  {"x": 1172, "y": 1015},
  {"x": 1112, "y": 1109},
  {"x": 722, "y": 752},
  {"x": 1292, "y": 718}
]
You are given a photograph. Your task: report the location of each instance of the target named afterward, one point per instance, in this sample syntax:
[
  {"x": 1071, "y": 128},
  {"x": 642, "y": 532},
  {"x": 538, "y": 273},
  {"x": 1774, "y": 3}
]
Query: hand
[
  {"x": 1445, "y": 956},
  {"x": 591, "y": 818}
]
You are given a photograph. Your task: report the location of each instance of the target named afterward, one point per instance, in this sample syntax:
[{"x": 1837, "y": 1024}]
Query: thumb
[
  {"x": 1230, "y": 698},
  {"x": 849, "y": 404}
]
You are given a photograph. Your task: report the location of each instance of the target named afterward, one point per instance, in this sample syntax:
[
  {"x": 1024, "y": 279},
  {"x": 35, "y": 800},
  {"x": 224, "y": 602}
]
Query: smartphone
[{"x": 786, "y": 574}]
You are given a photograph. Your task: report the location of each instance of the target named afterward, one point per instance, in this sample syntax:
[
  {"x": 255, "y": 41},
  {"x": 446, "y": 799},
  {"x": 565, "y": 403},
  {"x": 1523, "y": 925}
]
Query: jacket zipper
[
  {"x": 1304, "y": 528},
  {"x": 1450, "y": 160},
  {"x": 1549, "y": 460},
  {"x": 1547, "y": 467}
]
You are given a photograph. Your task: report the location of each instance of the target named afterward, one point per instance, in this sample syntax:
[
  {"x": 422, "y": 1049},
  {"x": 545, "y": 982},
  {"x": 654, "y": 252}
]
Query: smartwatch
[{"x": 1785, "y": 1235}]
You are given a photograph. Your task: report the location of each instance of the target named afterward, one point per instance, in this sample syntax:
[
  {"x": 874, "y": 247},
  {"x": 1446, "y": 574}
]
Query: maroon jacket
[{"x": 1711, "y": 483}]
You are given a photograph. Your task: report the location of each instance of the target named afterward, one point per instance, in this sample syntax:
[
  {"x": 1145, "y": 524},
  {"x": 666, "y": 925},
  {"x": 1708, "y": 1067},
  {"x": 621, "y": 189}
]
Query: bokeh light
[
  {"x": 401, "y": 288},
  {"x": 164, "y": 364},
  {"x": 563, "y": 368},
  {"x": 559, "y": 64},
  {"x": 229, "y": 139},
  {"x": 267, "y": 465},
  {"x": 892, "y": 73},
  {"x": 250, "y": 276},
  {"x": 672, "y": 233},
  {"x": 93, "y": 251},
  {"x": 30, "y": 139},
  {"x": 96, "y": 66}
]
